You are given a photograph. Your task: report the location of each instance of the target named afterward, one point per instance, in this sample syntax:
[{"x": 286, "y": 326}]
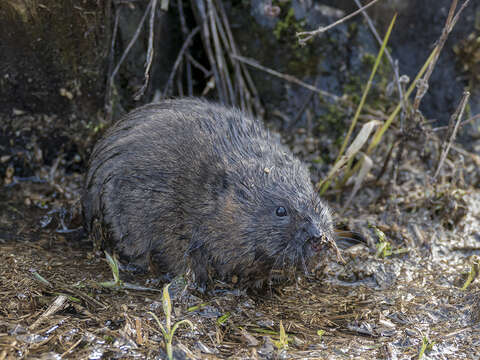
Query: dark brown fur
[{"x": 188, "y": 183}]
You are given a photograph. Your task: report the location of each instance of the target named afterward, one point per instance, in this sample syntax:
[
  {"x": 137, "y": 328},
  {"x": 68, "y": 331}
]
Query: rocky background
[{"x": 57, "y": 60}]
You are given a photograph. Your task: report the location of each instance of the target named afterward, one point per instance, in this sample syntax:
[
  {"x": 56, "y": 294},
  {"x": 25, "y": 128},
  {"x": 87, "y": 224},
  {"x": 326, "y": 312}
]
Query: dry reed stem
[
  {"x": 178, "y": 61},
  {"x": 150, "y": 50},
  {"x": 456, "y": 116},
  {"x": 205, "y": 31},
  {"x": 220, "y": 59},
  {"x": 467, "y": 121},
  {"x": 287, "y": 77},
  {"x": 108, "y": 90},
  {"x": 197, "y": 65},
  {"x": 133, "y": 40},
  {"x": 185, "y": 32},
  {"x": 449, "y": 24},
  {"x": 231, "y": 77}
]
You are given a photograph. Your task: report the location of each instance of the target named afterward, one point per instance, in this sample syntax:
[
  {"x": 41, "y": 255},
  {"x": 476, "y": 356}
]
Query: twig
[
  {"x": 132, "y": 41},
  {"x": 221, "y": 63},
  {"x": 57, "y": 305},
  {"x": 474, "y": 157},
  {"x": 281, "y": 115},
  {"x": 301, "y": 111},
  {"x": 457, "y": 115},
  {"x": 201, "y": 12},
  {"x": 304, "y": 36},
  {"x": 185, "y": 32},
  {"x": 449, "y": 24},
  {"x": 199, "y": 66},
  {"x": 230, "y": 78},
  {"x": 240, "y": 92},
  {"x": 150, "y": 50},
  {"x": 129, "y": 46},
  {"x": 72, "y": 347},
  {"x": 468, "y": 121},
  {"x": 457, "y": 16},
  {"x": 286, "y": 77},
  {"x": 244, "y": 80},
  {"x": 179, "y": 59},
  {"x": 108, "y": 91}
]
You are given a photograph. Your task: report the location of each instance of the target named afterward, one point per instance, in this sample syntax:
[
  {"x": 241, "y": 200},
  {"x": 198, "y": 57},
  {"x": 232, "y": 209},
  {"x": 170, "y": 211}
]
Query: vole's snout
[
  {"x": 313, "y": 231},
  {"x": 311, "y": 234}
]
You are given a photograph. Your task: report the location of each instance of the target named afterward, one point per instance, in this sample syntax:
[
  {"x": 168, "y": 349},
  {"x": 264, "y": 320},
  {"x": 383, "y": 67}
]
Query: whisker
[
  {"x": 279, "y": 258},
  {"x": 347, "y": 234},
  {"x": 351, "y": 239},
  {"x": 304, "y": 264}
]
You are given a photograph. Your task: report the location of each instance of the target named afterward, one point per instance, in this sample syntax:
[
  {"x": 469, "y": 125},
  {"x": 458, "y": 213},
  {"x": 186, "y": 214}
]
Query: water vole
[{"x": 190, "y": 183}]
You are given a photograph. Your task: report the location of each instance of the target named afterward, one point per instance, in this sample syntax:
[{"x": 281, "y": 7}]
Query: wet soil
[{"x": 52, "y": 304}]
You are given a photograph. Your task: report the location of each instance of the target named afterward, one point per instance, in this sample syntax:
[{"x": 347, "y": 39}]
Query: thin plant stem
[
  {"x": 364, "y": 96},
  {"x": 457, "y": 115},
  {"x": 304, "y": 36}
]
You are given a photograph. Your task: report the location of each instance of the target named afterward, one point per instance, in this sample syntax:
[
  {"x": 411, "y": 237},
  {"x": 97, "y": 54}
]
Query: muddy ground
[{"x": 415, "y": 297}]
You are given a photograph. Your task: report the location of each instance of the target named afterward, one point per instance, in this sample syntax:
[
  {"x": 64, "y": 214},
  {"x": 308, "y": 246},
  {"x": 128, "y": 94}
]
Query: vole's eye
[{"x": 281, "y": 211}]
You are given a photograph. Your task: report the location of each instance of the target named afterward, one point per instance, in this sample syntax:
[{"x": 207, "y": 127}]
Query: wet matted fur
[{"x": 190, "y": 183}]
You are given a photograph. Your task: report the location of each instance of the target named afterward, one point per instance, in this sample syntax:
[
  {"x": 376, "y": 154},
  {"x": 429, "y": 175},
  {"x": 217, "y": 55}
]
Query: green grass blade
[
  {"x": 364, "y": 96},
  {"x": 367, "y": 88},
  {"x": 167, "y": 306},
  {"x": 378, "y": 135},
  {"x": 390, "y": 119},
  {"x": 112, "y": 262},
  {"x": 181, "y": 322},
  {"x": 162, "y": 329}
]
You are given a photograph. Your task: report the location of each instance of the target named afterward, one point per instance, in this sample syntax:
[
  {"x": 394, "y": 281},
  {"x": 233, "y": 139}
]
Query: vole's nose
[
  {"x": 313, "y": 232},
  {"x": 313, "y": 235}
]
